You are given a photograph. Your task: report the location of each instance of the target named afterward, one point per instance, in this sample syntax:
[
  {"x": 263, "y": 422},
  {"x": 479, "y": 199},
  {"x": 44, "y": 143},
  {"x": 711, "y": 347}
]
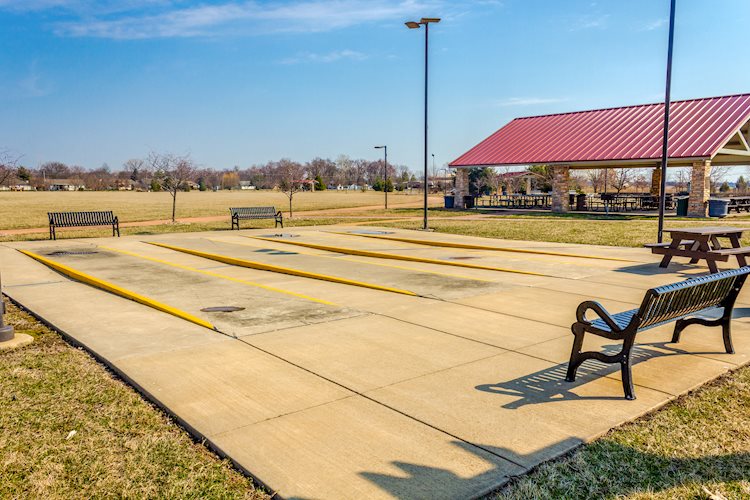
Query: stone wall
[
  {"x": 656, "y": 181},
  {"x": 700, "y": 189},
  {"x": 560, "y": 188},
  {"x": 462, "y": 187}
]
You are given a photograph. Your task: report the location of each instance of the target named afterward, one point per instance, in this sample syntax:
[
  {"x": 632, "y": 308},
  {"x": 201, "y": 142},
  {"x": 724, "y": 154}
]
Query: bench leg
[
  {"x": 725, "y": 322},
  {"x": 575, "y": 354},
  {"x": 52, "y": 235},
  {"x": 627, "y": 375}
]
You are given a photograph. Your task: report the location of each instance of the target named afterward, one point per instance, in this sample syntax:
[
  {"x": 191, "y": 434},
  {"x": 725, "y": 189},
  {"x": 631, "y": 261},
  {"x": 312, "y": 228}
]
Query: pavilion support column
[
  {"x": 700, "y": 189},
  {"x": 655, "y": 181},
  {"x": 560, "y": 188},
  {"x": 462, "y": 187}
]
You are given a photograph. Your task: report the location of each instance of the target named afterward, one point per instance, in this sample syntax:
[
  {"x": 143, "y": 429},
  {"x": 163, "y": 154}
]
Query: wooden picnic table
[{"x": 702, "y": 243}]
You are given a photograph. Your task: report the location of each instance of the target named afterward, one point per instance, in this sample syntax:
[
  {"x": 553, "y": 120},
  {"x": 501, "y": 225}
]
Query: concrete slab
[
  {"x": 381, "y": 395},
  {"x": 371, "y": 352},
  {"x": 18, "y": 340},
  {"x": 518, "y": 405},
  {"x": 220, "y": 387},
  {"x": 355, "y": 448}
]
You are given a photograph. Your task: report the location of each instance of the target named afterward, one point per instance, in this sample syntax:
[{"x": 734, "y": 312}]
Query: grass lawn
[
  {"x": 592, "y": 231},
  {"x": 29, "y": 209}
]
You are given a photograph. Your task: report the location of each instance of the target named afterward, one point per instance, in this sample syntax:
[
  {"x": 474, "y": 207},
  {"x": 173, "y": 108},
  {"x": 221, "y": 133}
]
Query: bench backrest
[
  {"x": 665, "y": 303},
  {"x": 70, "y": 219},
  {"x": 250, "y": 212}
]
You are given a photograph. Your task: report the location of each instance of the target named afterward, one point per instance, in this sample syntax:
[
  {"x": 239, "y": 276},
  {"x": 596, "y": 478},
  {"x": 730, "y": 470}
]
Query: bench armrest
[
  {"x": 600, "y": 311},
  {"x": 279, "y": 214}
]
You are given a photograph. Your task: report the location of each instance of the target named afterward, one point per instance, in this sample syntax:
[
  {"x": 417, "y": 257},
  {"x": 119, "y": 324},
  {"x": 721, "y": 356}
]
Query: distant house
[
  {"x": 65, "y": 185},
  {"x": 247, "y": 185}
]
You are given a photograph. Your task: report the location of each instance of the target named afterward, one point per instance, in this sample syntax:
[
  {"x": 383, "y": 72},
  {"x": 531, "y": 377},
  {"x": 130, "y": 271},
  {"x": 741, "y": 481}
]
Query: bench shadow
[
  {"x": 646, "y": 473},
  {"x": 685, "y": 271},
  {"x": 549, "y": 385}
]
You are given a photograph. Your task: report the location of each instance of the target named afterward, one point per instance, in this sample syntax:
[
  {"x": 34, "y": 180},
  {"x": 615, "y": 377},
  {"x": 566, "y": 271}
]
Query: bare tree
[
  {"x": 8, "y": 165},
  {"x": 173, "y": 174},
  {"x": 596, "y": 179},
  {"x": 717, "y": 176},
  {"x": 681, "y": 179},
  {"x": 621, "y": 178},
  {"x": 289, "y": 174}
]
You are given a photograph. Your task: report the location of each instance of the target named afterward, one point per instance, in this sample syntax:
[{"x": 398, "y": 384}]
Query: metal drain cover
[
  {"x": 367, "y": 231},
  {"x": 71, "y": 252},
  {"x": 226, "y": 309}
]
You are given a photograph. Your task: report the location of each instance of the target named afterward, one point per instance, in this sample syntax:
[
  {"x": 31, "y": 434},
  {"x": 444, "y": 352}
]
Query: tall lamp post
[
  {"x": 665, "y": 140},
  {"x": 425, "y": 21},
  {"x": 385, "y": 185}
]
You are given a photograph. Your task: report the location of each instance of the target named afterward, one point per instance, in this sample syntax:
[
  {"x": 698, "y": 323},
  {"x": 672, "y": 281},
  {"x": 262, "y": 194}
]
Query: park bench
[
  {"x": 680, "y": 302},
  {"x": 247, "y": 213},
  {"x": 82, "y": 219}
]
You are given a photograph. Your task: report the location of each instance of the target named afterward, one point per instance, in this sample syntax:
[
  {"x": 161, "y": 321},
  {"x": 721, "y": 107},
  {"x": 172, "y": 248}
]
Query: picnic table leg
[
  {"x": 735, "y": 241},
  {"x": 674, "y": 245},
  {"x": 712, "y": 266}
]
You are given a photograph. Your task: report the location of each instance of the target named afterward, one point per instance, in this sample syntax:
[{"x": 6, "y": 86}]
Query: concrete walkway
[{"x": 326, "y": 390}]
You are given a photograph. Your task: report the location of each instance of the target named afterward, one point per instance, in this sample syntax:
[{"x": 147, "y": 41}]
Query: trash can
[
  {"x": 682, "y": 206},
  {"x": 581, "y": 202},
  {"x": 468, "y": 202},
  {"x": 450, "y": 201},
  {"x": 717, "y": 207}
]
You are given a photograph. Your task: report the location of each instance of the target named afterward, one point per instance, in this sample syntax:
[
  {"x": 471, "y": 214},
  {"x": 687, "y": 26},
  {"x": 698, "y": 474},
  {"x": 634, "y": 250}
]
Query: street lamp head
[
  {"x": 427, "y": 20},
  {"x": 412, "y": 25},
  {"x": 379, "y": 147}
]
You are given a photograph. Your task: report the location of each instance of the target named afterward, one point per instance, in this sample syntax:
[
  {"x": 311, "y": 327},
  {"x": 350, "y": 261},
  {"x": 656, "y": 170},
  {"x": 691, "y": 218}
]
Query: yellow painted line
[
  {"x": 380, "y": 255},
  {"x": 222, "y": 276},
  {"x": 481, "y": 247},
  {"x": 122, "y": 292},
  {"x": 282, "y": 270},
  {"x": 369, "y": 263}
]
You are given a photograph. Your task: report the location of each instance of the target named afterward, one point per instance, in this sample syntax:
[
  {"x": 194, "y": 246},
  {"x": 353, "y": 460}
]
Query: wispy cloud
[
  {"x": 33, "y": 84},
  {"x": 527, "y": 101},
  {"x": 653, "y": 25},
  {"x": 143, "y": 19},
  {"x": 588, "y": 22},
  {"x": 337, "y": 55}
]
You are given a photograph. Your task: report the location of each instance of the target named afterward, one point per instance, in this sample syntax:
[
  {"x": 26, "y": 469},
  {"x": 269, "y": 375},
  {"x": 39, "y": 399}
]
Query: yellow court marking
[
  {"x": 368, "y": 263},
  {"x": 380, "y": 255},
  {"x": 122, "y": 292},
  {"x": 469, "y": 246},
  {"x": 222, "y": 276},
  {"x": 282, "y": 270}
]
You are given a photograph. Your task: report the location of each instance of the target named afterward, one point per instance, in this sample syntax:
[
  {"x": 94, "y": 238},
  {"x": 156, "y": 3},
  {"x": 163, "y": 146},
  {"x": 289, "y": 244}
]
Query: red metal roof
[{"x": 698, "y": 129}]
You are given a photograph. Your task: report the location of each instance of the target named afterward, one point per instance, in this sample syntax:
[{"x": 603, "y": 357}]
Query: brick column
[
  {"x": 560, "y": 188},
  {"x": 700, "y": 189},
  {"x": 462, "y": 187},
  {"x": 656, "y": 181}
]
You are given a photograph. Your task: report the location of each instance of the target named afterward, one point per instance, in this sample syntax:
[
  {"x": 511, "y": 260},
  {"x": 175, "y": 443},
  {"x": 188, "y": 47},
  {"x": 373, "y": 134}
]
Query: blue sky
[{"x": 235, "y": 82}]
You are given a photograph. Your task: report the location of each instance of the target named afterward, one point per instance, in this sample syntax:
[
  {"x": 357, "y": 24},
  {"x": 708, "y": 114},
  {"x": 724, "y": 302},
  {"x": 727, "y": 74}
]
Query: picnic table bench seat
[
  {"x": 250, "y": 213},
  {"x": 82, "y": 219},
  {"x": 684, "y": 303}
]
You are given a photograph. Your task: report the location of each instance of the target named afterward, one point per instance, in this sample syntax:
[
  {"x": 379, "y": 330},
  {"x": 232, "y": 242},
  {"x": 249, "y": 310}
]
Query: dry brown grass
[
  {"x": 122, "y": 447},
  {"x": 29, "y": 209}
]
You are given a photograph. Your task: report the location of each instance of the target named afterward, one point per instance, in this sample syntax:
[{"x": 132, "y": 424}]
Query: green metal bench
[
  {"x": 82, "y": 219},
  {"x": 248, "y": 213},
  {"x": 681, "y": 302}
]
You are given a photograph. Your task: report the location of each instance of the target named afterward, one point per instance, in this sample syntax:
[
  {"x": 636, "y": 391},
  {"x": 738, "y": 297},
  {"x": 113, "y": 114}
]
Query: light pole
[
  {"x": 6, "y": 332},
  {"x": 665, "y": 140},
  {"x": 425, "y": 21},
  {"x": 385, "y": 182}
]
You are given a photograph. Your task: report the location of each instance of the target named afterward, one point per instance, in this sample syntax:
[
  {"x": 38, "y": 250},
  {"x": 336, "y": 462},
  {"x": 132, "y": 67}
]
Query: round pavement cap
[{"x": 17, "y": 341}]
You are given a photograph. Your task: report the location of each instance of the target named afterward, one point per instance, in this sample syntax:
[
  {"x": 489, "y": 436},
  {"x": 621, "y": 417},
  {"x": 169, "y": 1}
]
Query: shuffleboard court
[{"x": 328, "y": 389}]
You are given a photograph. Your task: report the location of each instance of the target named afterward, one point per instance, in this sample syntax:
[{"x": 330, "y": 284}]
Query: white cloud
[
  {"x": 142, "y": 19},
  {"x": 588, "y": 22},
  {"x": 527, "y": 101},
  {"x": 654, "y": 25},
  {"x": 330, "y": 57}
]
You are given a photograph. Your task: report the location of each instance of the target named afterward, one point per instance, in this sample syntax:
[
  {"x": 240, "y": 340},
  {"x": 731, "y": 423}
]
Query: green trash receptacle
[
  {"x": 682, "y": 206},
  {"x": 450, "y": 201}
]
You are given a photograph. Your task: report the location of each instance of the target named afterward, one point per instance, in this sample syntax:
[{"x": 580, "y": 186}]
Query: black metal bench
[
  {"x": 681, "y": 302},
  {"x": 82, "y": 219},
  {"x": 246, "y": 213}
]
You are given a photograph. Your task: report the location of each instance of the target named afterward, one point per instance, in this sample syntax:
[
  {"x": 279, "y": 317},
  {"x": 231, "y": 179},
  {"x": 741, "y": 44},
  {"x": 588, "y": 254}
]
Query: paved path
[{"x": 369, "y": 393}]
